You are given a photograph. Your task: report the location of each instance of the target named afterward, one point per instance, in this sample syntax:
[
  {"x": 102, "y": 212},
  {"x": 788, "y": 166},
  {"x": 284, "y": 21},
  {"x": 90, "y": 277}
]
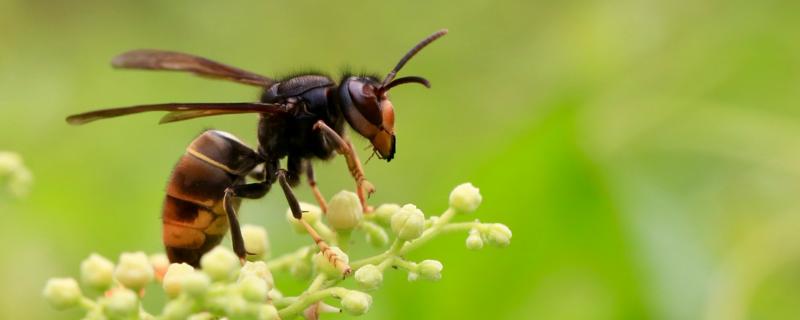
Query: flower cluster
[
  {"x": 222, "y": 287},
  {"x": 14, "y": 174}
]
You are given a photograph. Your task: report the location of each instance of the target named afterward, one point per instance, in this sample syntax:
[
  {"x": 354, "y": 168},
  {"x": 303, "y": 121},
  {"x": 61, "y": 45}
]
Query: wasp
[{"x": 301, "y": 118}]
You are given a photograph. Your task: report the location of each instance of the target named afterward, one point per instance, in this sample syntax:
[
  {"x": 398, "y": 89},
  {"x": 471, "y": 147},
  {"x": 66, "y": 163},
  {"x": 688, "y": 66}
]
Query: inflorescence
[{"x": 224, "y": 288}]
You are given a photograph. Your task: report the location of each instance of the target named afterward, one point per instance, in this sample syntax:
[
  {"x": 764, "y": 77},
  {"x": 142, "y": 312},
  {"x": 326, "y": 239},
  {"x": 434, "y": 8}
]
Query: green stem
[
  {"x": 396, "y": 247},
  {"x": 306, "y": 300},
  {"x": 317, "y": 282},
  {"x": 461, "y": 226},
  {"x": 343, "y": 240},
  {"x": 428, "y": 234},
  {"x": 286, "y": 260},
  {"x": 405, "y": 264},
  {"x": 87, "y": 304},
  {"x": 326, "y": 233}
]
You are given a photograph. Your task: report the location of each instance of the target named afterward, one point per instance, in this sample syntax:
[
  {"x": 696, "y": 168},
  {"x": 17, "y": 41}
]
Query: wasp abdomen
[{"x": 194, "y": 219}]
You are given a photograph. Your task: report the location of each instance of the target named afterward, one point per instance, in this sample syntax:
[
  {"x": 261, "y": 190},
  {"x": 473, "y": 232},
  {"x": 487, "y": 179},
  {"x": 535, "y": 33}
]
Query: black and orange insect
[{"x": 302, "y": 117}]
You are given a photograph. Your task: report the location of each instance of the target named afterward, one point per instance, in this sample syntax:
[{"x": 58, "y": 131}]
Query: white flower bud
[
  {"x": 120, "y": 303},
  {"x": 173, "y": 278},
  {"x": 195, "y": 283},
  {"x": 178, "y": 309},
  {"x": 253, "y": 288},
  {"x": 344, "y": 211},
  {"x": 258, "y": 269},
  {"x": 465, "y": 198},
  {"x": 19, "y": 178},
  {"x": 219, "y": 263},
  {"x": 369, "y": 277},
  {"x": 356, "y": 302},
  {"x": 134, "y": 270},
  {"x": 323, "y": 307},
  {"x": 274, "y": 294},
  {"x": 62, "y": 293},
  {"x": 97, "y": 272},
  {"x": 201, "y": 316},
  {"x": 412, "y": 276},
  {"x": 311, "y": 214},
  {"x": 160, "y": 263},
  {"x": 474, "y": 240},
  {"x": 430, "y": 270},
  {"x": 383, "y": 214},
  {"x": 323, "y": 265},
  {"x": 499, "y": 235},
  {"x": 256, "y": 242},
  {"x": 268, "y": 312},
  {"x": 408, "y": 223},
  {"x": 237, "y": 307}
]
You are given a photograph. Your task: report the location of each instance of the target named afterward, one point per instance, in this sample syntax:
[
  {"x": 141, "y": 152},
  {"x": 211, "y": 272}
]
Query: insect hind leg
[
  {"x": 324, "y": 248},
  {"x": 250, "y": 191}
]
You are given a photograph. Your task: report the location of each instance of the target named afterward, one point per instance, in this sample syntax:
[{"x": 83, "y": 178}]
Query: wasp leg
[
  {"x": 249, "y": 191},
  {"x": 363, "y": 187},
  {"x": 294, "y": 205},
  {"x": 313, "y": 184}
]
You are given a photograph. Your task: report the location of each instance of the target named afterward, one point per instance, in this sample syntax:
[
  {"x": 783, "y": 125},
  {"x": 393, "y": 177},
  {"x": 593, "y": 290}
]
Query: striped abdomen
[{"x": 194, "y": 220}]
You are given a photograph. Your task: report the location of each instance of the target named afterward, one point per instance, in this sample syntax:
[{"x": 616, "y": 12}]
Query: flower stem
[
  {"x": 286, "y": 260},
  {"x": 428, "y": 234},
  {"x": 306, "y": 300}
]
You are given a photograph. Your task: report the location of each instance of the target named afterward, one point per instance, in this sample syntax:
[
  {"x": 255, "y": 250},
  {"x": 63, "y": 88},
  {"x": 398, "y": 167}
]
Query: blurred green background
[{"x": 645, "y": 153}]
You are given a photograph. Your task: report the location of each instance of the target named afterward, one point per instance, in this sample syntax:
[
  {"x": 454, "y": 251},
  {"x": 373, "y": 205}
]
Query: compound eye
[{"x": 365, "y": 101}]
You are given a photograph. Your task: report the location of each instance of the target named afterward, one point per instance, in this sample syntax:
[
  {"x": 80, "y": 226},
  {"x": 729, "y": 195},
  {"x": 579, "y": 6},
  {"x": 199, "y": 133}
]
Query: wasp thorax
[{"x": 370, "y": 113}]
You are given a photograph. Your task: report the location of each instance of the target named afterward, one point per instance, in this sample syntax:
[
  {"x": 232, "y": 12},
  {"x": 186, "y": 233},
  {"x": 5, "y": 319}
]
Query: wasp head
[{"x": 366, "y": 106}]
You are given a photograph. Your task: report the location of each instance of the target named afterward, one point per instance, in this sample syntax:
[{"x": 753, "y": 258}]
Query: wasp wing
[
  {"x": 192, "y": 110},
  {"x": 169, "y": 60}
]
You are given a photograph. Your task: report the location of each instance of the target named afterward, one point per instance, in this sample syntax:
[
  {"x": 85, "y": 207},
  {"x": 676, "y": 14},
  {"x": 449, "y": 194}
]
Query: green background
[{"x": 644, "y": 153}]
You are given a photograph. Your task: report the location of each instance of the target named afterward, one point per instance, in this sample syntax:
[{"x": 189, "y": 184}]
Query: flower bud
[
  {"x": 412, "y": 276},
  {"x": 195, "y": 283},
  {"x": 134, "y": 270},
  {"x": 219, "y": 263},
  {"x": 258, "y": 269},
  {"x": 120, "y": 303},
  {"x": 201, "y": 316},
  {"x": 173, "y": 279},
  {"x": 97, "y": 272},
  {"x": 274, "y": 294},
  {"x": 18, "y": 176},
  {"x": 237, "y": 308},
  {"x": 474, "y": 240},
  {"x": 356, "y": 302},
  {"x": 253, "y": 288},
  {"x": 177, "y": 309},
  {"x": 268, "y": 312},
  {"x": 383, "y": 214},
  {"x": 62, "y": 293},
  {"x": 311, "y": 214},
  {"x": 160, "y": 263},
  {"x": 430, "y": 270},
  {"x": 256, "y": 242},
  {"x": 408, "y": 223},
  {"x": 499, "y": 235},
  {"x": 465, "y": 198},
  {"x": 324, "y": 266},
  {"x": 344, "y": 211},
  {"x": 369, "y": 277}
]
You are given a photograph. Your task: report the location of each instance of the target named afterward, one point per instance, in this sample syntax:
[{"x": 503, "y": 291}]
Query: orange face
[
  {"x": 370, "y": 113},
  {"x": 384, "y": 141}
]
